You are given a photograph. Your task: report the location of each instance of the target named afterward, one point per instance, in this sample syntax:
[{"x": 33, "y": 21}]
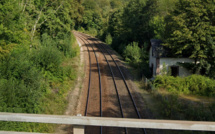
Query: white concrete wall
[
  {"x": 152, "y": 60},
  {"x": 173, "y": 61}
]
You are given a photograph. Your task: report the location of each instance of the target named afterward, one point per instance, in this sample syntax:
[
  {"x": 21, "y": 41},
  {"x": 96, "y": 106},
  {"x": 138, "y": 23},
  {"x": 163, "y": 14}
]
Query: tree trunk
[
  {"x": 36, "y": 22},
  {"x": 35, "y": 25},
  {"x": 25, "y": 6}
]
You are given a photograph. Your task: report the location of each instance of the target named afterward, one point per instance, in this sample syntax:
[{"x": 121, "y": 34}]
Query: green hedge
[{"x": 194, "y": 84}]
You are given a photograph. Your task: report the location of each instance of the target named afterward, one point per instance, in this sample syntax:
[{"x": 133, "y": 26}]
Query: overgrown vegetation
[
  {"x": 194, "y": 85},
  {"x": 129, "y": 28},
  {"x": 176, "y": 108},
  {"x": 36, "y": 44},
  {"x": 36, "y": 51},
  {"x": 190, "y": 32},
  {"x": 122, "y": 22},
  {"x": 185, "y": 98},
  {"x": 169, "y": 92}
]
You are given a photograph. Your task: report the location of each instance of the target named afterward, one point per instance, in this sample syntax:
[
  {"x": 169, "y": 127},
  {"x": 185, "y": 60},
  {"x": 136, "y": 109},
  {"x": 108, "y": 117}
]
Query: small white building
[{"x": 158, "y": 56}]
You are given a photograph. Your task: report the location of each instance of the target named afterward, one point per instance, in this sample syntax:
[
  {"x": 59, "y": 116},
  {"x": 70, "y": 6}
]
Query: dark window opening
[
  {"x": 151, "y": 70},
  {"x": 174, "y": 71},
  {"x": 203, "y": 71}
]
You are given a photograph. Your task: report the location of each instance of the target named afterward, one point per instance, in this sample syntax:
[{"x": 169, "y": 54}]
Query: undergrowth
[
  {"x": 37, "y": 81},
  {"x": 194, "y": 84},
  {"x": 169, "y": 93}
]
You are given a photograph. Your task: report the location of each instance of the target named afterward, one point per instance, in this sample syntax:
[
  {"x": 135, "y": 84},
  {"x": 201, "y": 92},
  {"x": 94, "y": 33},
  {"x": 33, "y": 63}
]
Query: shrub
[
  {"x": 46, "y": 40},
  {"x": 20, "y": 84},
  {"x": 92, "y": 31},
  {"x": 16, "y": 96},
  {"x": 201, "y": 85},
  {"x": 171, "y": 83},
  {"x": 63, "y": 42},
  {"x": 108, "y": 39},
  {"x": 132, "y": 53},
  {"x": 47, "y": 58},
  {"x": 194, "y": 84}
]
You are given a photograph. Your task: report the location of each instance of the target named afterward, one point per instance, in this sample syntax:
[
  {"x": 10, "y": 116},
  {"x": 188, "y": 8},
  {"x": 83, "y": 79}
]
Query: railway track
[
  {"x": 101, "y": 47},
  {"x": 89, "y": 85}
]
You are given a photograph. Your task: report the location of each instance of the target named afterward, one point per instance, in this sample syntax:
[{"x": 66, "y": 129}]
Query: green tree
[
  {"x": 11, "y": 27},
  {"x": 92, "y": 19},
  {"x": 165, "y": 6},
  {"x": 136, "y": 20},
  {"x": 190, "y": 29},
  {"x": 132, "y": 23},
  {"x": 108, "y": 39},
  {"x": 115, "y": 4},
  {"x": 115, "y": 23},
  {"x": 132, "y": 53}
]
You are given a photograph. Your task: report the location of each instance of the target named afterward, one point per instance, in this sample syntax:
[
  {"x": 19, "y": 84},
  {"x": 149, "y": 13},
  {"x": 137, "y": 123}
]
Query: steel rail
[
  {"x": 137, "y": 112},
  {"x": 99, "y": 73},
  {"x": 114, "y": 81},
  {"x": 89, "y": 83},
  {"x": 135, "y": 106}
]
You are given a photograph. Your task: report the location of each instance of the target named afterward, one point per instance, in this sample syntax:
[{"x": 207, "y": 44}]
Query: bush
[
  {"x": 20, "y": 84},
  {"x": 63, "y": 42},
  {"x": 108, "y": 39},
  {"x": 201, "y": 85},
  {"x": 16, "y": 96},
  {"x": 170, "y": 83},
  {"x": 47, "y": 58},
  {"x": 92, "y": 31},
  {"x": 194, "y": 84},
  {"x": 132, "y": 53}
]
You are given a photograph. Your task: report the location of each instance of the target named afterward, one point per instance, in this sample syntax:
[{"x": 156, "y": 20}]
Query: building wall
[
  {"x": 152, "y": 61},
  {"x": 173, "y": 61},
  {"x": 183, "y": 72}
]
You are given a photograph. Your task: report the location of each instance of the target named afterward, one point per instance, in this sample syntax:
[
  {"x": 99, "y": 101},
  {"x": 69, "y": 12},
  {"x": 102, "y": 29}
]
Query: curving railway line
[{"x": 107, "y": 98}]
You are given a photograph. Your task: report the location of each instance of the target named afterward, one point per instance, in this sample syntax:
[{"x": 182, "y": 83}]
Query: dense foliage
[
  {"x": 186, "y": 27},
  {"x": 121, "y": 22},
  {"x": 35, "y": 42},
  {"x": 194, "y": 84},
  {"x": 190, "y": 32}
]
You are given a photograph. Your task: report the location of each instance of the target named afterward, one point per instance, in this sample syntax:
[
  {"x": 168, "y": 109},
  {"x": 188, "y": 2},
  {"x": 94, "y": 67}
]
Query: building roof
[{"x": 158, "y": 50}]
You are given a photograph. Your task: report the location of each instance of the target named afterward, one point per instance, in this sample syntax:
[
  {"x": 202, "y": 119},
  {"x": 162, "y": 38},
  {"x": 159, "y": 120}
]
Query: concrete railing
[{"x": 80, "y": 121}]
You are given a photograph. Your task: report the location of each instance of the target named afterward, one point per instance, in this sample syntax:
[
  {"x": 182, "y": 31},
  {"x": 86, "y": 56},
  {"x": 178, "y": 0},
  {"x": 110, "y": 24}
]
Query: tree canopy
[
  {"x": 35, "y": 40},
  {"x": 190, "y": 30}
]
